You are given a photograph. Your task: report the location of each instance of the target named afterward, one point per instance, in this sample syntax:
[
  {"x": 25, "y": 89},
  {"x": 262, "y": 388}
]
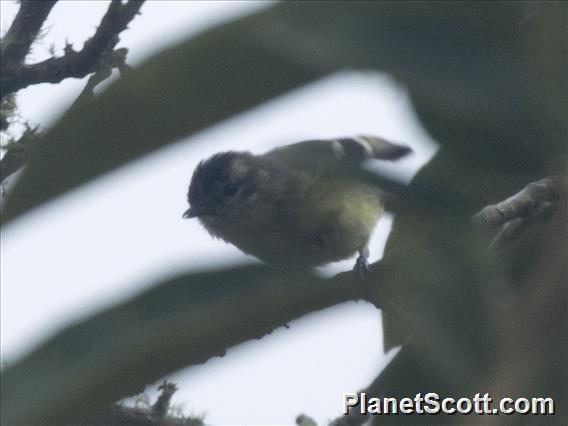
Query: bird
[{"x": 291, "y": 207}]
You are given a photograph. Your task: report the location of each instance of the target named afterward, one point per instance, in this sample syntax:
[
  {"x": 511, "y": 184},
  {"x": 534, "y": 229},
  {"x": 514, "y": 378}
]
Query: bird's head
[{"x": 221, "y": 185}]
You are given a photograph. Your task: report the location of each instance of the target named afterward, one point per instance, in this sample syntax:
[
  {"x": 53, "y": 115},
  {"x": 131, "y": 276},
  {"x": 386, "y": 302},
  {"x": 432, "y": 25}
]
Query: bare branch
[
  {"x": 16, "y": 154},
  {"x": 162, "y": 404},
  {"x": 97, "y": 56},
  {"x": 72, "y": 63},
  {"x": 156, "y": 415},
  {"x": 517, "y": 213},
  {"x": 24, "y": 30},
  {"x": 116, "y": 59}
]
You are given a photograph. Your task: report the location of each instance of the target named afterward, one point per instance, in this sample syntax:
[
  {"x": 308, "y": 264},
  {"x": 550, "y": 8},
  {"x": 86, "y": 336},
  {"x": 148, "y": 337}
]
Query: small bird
[{"x": 290, "y": 207}]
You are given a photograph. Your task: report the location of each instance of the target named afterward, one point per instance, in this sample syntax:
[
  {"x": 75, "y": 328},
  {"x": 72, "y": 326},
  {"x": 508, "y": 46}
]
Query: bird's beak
[{"x": 191, "y": 212}]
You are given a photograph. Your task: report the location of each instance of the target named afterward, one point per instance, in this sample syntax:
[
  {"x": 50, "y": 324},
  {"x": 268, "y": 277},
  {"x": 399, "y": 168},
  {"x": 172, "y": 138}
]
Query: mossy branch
[{"x": 17, "y": 75}]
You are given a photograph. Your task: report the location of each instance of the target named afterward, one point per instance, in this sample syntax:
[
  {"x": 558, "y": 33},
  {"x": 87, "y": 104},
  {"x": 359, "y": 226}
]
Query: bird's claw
[{"x": 362, "y": 266}]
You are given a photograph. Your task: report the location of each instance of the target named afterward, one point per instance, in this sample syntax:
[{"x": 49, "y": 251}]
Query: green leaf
[
  {"x": 183, "y": 321},
  {"x": 454, "y": 58}
]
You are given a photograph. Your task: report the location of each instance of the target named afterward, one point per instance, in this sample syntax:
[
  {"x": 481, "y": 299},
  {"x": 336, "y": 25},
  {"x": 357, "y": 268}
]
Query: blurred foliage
[
  {"x": 466, "y": 61},
  {"x": 16, "y": 149},
  {"x": 8, "y": 110},
  {"x": 488, "y": 80}
]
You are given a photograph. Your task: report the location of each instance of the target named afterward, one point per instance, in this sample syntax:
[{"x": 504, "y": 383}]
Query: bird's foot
[
  {"x": 365, "y": 283},
  {"x": 362, "y": 263}
]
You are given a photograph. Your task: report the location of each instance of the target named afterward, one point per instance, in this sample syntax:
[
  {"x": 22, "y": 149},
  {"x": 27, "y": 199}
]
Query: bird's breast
[{"x": 326, "y": 224}]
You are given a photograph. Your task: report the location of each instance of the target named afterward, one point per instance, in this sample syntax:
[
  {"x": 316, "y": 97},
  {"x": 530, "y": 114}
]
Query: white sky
[{"x": 114, "y": 237}]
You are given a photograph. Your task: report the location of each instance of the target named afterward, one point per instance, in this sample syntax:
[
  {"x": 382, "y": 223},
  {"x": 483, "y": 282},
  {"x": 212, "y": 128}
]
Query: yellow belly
[{"x": 333, "y": 222}]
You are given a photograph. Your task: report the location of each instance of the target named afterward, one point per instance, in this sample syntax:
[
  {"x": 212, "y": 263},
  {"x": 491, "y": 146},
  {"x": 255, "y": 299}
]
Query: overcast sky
[{"x": 114, "y": 237}]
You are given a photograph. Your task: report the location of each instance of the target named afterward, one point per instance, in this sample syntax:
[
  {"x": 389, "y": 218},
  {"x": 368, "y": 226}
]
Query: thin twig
[
  {"x": 73, "y": 63},
  {"x": 115, "y": 59}
]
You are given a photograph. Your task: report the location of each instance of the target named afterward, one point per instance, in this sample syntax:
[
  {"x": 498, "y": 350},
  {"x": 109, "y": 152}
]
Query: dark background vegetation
[{"x": 479, "y": 304}]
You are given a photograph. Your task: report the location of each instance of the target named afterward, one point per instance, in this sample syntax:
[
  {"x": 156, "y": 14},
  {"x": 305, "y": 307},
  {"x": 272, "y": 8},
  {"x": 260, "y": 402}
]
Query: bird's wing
[{"x": 321, "y": 154}]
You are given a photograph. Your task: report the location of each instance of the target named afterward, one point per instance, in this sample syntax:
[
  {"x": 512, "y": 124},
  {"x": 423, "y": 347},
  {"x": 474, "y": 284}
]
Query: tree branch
[
  {"x": 515, "y": 215},
  {"x": 16, "y": 153},
  {"x": 184, "y": 321},
  {"x": 97, "y": 57},
  {"x": 156, "y": 415},
  {"x": 24, "y": 30},
  {"x": 162, "y": 405},
  {"x": 117, "y": 59},
  {"x": 72, "y": 63},
  {"x": 519, "y": 320}
]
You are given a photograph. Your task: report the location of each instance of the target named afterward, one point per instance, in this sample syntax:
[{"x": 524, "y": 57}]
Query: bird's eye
[{"x": 230, "y": 190}]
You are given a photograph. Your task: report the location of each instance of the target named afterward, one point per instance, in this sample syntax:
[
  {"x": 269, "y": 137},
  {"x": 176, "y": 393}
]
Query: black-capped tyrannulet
[{"x": 290, "y": 206}]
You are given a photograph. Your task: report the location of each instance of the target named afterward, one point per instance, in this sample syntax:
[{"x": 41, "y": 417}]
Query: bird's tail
[{"x": 364, "y": 147}]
